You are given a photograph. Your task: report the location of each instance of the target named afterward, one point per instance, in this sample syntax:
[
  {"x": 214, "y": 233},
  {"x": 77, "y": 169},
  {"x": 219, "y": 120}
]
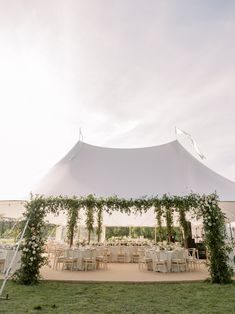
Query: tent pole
[{"x": 13, "y": 259}]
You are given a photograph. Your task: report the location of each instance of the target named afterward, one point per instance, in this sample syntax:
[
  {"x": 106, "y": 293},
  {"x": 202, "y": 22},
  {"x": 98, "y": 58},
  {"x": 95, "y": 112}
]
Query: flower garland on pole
[
  {"x": 33, "y": 247},
  {"x": 204, "y": 206},
  {"x": 215, "y": 239}
]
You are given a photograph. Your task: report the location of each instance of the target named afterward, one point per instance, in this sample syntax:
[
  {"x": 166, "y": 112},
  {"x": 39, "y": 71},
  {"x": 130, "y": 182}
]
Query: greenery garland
[
  {"x": 182, "y": 207},
  {"x": 89, "y": 208},
  {"x": 72, "y": 215},
  {"x": 215, "y": 239},
  {"x": 168, "y": 204},
  {"x": 99, "y": 221},
  {"x": 159, "y": 214},
  {"x": 204, "y": 206}
]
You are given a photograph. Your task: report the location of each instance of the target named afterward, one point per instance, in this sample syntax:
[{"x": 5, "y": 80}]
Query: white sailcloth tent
[{"x": 134, "y": 173}]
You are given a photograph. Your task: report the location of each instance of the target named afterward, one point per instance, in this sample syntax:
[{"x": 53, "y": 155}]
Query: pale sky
[{"x": 125, "y": 71}]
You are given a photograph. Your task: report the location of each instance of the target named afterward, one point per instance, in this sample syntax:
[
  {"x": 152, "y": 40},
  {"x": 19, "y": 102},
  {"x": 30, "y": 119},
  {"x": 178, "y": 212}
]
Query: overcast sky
[{"x": 125, "y": 71}]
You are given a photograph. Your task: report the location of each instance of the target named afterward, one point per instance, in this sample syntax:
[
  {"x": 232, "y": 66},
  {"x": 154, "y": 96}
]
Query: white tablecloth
[{"x": 7, "y": 255}]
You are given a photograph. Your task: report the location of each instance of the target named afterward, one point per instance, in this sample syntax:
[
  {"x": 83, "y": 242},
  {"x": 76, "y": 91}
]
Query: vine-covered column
[
  {"x": 159, "y": 213},
  {"x": 72, "y": 216},
  {"x": 182, "y": 207},
  {"x": 168, "y": 213},
  {"x": 90, "y": 206},
  {"x": 99, "y": 221},
  {"x": 32, "y": 258},
  {"x": 215, "y": 238}
]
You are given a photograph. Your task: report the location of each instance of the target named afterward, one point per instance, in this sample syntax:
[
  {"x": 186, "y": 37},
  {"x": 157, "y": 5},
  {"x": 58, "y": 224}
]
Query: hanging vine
[
  {"x": 159, "y": 214},
  {"x": 182, "y": 207},
  {"x": 99, "y": 221},
  {"x": 72, "y": 215},
  {"x": 89, "y": 208},
  {"x": 168, "y": 214}
]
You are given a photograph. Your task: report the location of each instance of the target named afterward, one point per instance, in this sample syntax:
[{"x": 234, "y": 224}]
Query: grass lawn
[{"x": 59, "y": 297}]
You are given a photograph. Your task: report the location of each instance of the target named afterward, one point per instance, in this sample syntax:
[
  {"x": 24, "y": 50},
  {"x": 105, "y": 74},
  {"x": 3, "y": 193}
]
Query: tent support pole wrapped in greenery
[{"x": 205, "y": 207}]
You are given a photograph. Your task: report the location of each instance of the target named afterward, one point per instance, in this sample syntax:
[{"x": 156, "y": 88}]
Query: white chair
[
  {"x": 136, "y": 255},
  {"x": 59, "y": 257},
  {"x": 160, "y": 262},
  {"x": 192, "y": 258},
  {"x": 69, "y": 260},
  {"x": 89, "y": 260},
  {"x": 146, "y": 262},
  {"x": 179, "y": 260}
]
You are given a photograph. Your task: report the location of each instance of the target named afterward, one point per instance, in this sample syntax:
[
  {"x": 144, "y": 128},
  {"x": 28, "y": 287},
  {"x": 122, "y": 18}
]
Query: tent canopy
[{"x": 133, "y": 173}]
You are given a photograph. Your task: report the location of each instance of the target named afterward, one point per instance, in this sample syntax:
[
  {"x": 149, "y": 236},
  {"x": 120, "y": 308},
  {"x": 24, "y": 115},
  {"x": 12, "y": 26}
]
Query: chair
[
  {"x": 59, "y": 257},
  {"x": 109, "y": 256},
  {"x": 192, "y": 259},
  {"x": 102, "y": 260},
  {"x": 160, "y": 262},
  {"x": 136, "y": 256},
  {"x": 146, "y": 262},
  {"x": 179, "y": 260},
  {"x": 89, "y": 260},
  {"x": 69, "y": 260},
  {"x": 50, "y": 249},
  {"x": 121, "y": 256}
]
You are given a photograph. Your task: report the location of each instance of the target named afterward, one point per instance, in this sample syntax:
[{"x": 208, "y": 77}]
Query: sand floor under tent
[{"x": 126, "y": 272}]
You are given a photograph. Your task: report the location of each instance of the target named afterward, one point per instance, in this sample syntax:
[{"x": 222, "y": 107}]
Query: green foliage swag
[{"x": 202, "y": 206}]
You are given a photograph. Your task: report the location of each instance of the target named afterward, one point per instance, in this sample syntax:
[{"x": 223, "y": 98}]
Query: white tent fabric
[
  {"x": 138, "y": 172},
  {"x": 133, "y": 173}
]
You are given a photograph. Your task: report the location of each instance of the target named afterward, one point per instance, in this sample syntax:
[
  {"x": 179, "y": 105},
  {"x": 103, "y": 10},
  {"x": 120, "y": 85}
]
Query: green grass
[{"x": 59, "y": 297}]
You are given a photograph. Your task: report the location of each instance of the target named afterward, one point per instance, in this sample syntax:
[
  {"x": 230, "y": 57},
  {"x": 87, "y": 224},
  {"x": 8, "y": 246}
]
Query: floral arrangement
[
  {"x": 215, "y": 239},
  {"x": 32, "y": 248}
]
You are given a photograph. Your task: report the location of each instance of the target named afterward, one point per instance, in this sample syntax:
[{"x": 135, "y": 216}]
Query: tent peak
[{"x": 174, "y": 142}]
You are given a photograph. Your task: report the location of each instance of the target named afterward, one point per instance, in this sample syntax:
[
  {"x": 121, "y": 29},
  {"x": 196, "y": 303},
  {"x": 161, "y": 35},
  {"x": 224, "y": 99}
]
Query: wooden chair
[
  {"x": 59, "y": 258},
  {"x": 192, "y": 259},
  {"x": 121, "y": 256},
  {"x": 102, "y": 260},
  {"x": 135, "y": 256}
]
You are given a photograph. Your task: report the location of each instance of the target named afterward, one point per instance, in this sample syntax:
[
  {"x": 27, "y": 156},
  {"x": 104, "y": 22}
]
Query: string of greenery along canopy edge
[{"x": 201, "y": 206}]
